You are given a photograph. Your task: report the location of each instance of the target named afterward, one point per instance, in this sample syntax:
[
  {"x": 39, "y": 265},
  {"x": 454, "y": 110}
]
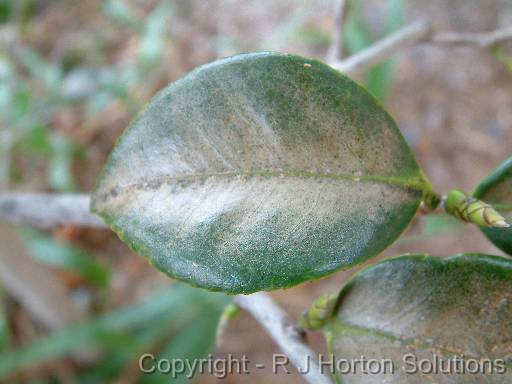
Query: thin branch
[
  {"x": 47, "y": 210},
  {"x": 483, "y": 40},
  {"x": 412, "y": 35},
  {"x": 336, "y": 48},
  {"x": 277, "y": 324},
  {"x": 383, "y": 49}
]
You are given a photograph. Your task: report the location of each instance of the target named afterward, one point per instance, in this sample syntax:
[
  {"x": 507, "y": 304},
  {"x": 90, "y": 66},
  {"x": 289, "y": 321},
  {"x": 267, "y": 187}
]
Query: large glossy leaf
[
  {"x": 422, "y": 307},
  {"x": 259, "y": 172},
  {"x": 496, "y": 189}
]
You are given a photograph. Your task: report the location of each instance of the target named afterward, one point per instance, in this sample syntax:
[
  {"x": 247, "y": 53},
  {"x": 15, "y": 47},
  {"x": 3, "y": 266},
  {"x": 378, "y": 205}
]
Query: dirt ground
[{"x": 453, "y": 105}]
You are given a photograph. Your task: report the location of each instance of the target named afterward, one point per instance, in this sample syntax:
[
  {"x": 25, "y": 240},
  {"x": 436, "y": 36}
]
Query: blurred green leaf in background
[
  {"x": 177, "y": 322},
  {"x": 357, "y": 36},
  {"x": 434, "y": 225},
  {"x": 4, "y": 324},
  {"x": 48, "y": 251},
  {"x": 500, "y": 54}
]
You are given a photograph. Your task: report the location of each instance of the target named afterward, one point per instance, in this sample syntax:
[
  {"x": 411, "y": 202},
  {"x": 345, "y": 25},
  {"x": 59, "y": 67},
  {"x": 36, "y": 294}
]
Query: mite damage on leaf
[
  {"x": 256, "y": 173},
  {"x": 430, "y": 308}
]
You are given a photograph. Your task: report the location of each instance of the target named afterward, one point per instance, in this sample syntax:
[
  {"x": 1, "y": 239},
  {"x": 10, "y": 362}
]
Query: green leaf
[
  {"x": 433, "y": 225},
  {"x": 120, "y": 12},
  {"x": 190, "y": 345},
  {"x": 229, "y": 313},
  {"x": 153, "y": 40},
  {"x": 5, "y": 11},
  {"x": 179, "y": 305},
  {"x": 188, "y": 336},
  {"x": 37, "y": 141},
  {"x": 502, "y": 57},
  {"x": 429, "y": 308},
  {"x": 5, "y": 334},
  {"x": 136, "y": 343},
  {"x": 50, "y": 252},
  {"x": 496, "y": 189},
  {"x": 356, "y": 37},
  {"x": 259, "y": 172},
  {"x": 60, "y": 172},
  {"x": 48, "y": 74}
]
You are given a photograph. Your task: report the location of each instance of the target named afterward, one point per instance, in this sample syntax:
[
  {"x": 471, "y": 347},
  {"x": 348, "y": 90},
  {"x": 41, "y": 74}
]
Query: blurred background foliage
[
  {"x": 58, "y": 90},
  {"x": 74, "y": 73}
]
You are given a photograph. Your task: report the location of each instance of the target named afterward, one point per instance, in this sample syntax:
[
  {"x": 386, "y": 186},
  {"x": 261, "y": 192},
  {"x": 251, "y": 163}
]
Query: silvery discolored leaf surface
[
  {"x": 496, "y": 189},
  {"x": 430, "y": 308},
  {"x": 258, "y": 172}
]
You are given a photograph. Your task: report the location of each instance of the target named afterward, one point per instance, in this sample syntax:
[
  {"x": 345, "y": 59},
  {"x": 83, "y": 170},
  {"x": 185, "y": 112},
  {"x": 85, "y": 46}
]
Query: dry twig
[
  {"x": 413, "y": 35},
  {"x": 483, "y": 40},
  {"x": 277, "y": 324},
  {"x": 383, "y": 49},
  {"x": 336, "y": 49},
  {"x": 47, "y": 210}
]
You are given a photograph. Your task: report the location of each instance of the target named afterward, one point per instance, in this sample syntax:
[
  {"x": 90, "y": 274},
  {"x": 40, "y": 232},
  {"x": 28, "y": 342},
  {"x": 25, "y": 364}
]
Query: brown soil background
[{"x": 453, "y": 105}]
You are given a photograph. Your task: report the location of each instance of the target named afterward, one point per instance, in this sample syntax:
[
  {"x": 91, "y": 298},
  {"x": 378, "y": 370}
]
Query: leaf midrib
[{"x": 415, "y": 183}]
